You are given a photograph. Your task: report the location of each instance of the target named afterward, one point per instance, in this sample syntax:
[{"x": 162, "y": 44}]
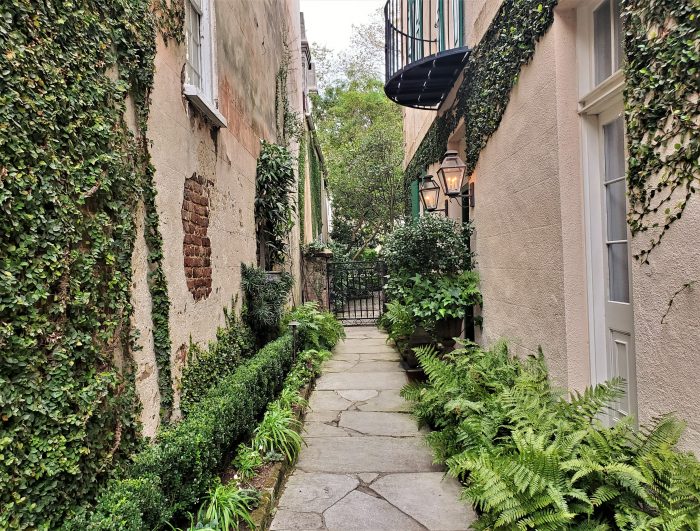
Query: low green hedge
[
  {"x": 174, "y": 474},
  {"x": 206, "y": 367}
]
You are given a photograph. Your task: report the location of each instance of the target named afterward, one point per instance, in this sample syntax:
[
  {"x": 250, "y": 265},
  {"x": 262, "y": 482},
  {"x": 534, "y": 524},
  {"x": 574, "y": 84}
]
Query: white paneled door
[{"x": 615, "y": 254}]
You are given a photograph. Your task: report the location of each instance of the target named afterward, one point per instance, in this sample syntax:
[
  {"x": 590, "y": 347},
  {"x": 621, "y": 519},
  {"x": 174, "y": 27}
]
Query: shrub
[
  {"x": 429, "y": 245},
  {"x": 175, "y": 473},
  {"x": 205, "y": 368},
  {"x": 532, "y": 459},
  {"x": 265, "y": 298},
  {"x": 317, "y": 329}
]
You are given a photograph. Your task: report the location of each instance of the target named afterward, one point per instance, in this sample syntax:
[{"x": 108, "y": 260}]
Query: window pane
[
  {"x": 618, "y": 274},
  {"x": 616, "y": 210},
  {"x": 194, "y": 47},
  {"x": 614, "y": 138},
  {"x": 619, "y": 56},
  {"x": 602, "y": 45}
]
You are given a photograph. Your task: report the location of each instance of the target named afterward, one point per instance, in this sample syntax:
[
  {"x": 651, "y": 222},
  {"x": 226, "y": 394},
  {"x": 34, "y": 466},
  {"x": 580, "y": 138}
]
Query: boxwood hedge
[{"x": 173, "y": 475}]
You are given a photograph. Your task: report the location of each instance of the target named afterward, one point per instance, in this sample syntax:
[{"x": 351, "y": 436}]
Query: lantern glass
[
  {"x": 429, "y": 193},
  {"x": 452, "y": 172}
]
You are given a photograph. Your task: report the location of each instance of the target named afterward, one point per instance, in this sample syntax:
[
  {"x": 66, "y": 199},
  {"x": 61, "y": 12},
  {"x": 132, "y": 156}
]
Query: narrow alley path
[{"x": 366, "y": 465}]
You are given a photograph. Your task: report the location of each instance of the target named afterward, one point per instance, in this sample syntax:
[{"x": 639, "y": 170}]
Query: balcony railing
[{"x": 424, "y": 50}]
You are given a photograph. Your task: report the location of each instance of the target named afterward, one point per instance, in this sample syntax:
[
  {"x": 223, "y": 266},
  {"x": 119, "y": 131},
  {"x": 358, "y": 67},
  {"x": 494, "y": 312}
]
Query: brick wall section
[{"x": 196, "y": 244}]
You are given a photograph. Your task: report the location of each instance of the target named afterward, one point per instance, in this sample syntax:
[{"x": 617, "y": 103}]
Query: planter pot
[
  {"x": 273, "y": 276},
  {"x": 447, "y": 329},
  {"x": 418, "y": 338}
]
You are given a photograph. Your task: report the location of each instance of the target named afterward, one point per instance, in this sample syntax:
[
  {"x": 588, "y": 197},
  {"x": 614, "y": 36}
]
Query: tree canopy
[{"x": 360, "y": 131}]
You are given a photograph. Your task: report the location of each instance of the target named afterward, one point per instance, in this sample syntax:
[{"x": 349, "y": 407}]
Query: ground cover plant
[{"x": 531, "y": 458}]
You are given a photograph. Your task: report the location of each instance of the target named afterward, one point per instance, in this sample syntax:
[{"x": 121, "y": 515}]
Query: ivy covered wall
[
  {"x": 316, "y": 186},
  {"x": 71, "y": 173},
  {"x": 83, "y": 110}
]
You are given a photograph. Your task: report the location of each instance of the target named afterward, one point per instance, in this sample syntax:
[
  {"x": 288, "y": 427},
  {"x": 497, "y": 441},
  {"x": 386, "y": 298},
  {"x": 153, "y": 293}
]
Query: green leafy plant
[
  {"x": 429, "y": 245},
  {"x": 429, "y": 300},
  {"x": 229, "y": 506},
  {"x": 248, "y": 459},
  {"x": 398, "y": 320},
  {"x": 279, "y": 432},
  {"x": 265, "y": 298},
  {"x": 533, "y": 459},
  {"x": 274, "y": 183},
  {"x": 317, "y": 329}
]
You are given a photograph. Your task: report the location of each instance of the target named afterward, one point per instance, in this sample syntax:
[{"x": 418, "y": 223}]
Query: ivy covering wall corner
[
  {"x": 71, "y": 174},
  {"x": 662, "y": 113}
]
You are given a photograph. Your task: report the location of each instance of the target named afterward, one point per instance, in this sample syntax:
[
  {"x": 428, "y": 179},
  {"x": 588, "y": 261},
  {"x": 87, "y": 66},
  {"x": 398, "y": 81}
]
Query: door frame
[{"x": 596, "y": 101}]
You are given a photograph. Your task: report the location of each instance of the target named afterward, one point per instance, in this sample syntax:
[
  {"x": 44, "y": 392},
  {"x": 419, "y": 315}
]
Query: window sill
[
  {"x": 199, "y": 100},
  {"x": 596, "y": 100}
]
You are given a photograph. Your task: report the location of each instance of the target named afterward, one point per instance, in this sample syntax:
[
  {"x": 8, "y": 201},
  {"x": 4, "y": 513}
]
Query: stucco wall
[
  {"x": 529, "y": 220},
  {"x": 668, "y": 371},
  {"x": 249, "y": 48}
]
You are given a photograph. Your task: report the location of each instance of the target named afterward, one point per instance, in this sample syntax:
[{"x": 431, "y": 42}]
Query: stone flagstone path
[{"x": 366, "y": 465}]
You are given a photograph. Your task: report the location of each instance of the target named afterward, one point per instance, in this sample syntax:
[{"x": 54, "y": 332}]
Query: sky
[{"x": 329, "y": 22}]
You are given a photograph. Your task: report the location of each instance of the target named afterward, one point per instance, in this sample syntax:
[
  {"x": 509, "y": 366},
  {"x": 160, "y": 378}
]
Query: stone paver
[{"x": 365, "y": 465}]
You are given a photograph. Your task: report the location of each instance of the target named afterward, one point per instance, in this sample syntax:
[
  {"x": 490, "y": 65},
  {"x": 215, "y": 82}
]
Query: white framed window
[
  {"x": 608, "y": 268},
  {"x": 200, "y": 71}
]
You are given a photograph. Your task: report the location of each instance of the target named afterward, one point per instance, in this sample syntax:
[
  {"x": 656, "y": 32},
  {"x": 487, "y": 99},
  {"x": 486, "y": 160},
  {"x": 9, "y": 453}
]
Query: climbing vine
[
  {"x": 288, "y": 123},
  {"x": 489, "y": 76},
  {"x": 170, "y": 19},
  {"x": 71, "y": 175},
  {"x": 316, "y": 174},
  {"x": 662, "y": 113},
  {"x": 301, "y": 183}
]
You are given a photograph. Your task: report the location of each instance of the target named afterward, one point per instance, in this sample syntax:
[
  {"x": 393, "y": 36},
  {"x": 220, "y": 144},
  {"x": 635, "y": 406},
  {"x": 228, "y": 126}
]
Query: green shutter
[
  {"x": 441, "y": 22},
  {"x": 415, "y": 206}
]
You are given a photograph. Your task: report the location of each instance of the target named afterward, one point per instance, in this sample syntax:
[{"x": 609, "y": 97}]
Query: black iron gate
[{"x": 356, "y": 291}]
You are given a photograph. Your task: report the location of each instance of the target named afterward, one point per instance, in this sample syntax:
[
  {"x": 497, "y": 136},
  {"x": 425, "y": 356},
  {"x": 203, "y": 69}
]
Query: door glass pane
[
  {"x": 614, "y": 136},
  {"x": 618, "y": 275},
  {"x": 616, "y": 209},
  {"x": 602, "y": 45},
  {"x": 618, "y": 57}
]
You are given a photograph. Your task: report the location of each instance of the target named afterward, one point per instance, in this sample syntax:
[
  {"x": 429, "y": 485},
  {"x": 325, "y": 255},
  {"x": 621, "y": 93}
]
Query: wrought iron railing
[{"x": 417, "y": 29}]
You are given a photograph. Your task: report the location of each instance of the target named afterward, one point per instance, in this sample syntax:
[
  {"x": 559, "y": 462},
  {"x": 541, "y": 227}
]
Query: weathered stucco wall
[
  {"x": 668, "y": 371},
  {"x": 249, "y": 48}
]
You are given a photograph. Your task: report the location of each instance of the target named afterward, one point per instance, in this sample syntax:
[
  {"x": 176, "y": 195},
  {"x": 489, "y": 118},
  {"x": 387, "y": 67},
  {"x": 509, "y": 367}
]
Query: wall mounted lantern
[
  {"x": 452, "y": 173},
  {"x": 453, "y": 176},
  {"x": 429, "y": 193}
]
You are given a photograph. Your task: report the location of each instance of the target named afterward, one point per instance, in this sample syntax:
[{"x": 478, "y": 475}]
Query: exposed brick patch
[{"x": 196, "y": 246}]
